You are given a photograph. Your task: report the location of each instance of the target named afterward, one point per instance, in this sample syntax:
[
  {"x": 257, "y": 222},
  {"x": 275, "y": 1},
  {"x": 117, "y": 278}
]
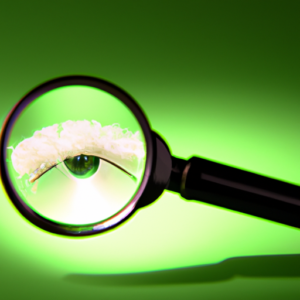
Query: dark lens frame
[{"x": 27, "y": 212}]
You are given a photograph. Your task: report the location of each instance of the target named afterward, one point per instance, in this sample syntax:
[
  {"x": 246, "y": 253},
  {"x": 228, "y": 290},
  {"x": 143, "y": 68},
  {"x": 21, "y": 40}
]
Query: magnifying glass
[{"x": 78, "y": 157}]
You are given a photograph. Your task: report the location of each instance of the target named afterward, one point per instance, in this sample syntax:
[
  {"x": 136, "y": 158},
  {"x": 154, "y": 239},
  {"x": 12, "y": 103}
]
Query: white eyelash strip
[{"x": 53, "y": 144}]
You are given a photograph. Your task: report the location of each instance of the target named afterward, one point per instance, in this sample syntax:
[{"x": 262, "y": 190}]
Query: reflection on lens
[{"x": 76, "y": 171}]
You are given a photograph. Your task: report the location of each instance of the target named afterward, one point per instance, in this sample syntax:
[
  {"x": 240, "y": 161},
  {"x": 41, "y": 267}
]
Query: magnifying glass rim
[{"x": 23, "y": 208}]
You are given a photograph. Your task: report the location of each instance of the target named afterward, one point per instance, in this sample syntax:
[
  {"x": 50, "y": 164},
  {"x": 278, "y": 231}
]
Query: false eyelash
[{"x": 53, "y": 144}]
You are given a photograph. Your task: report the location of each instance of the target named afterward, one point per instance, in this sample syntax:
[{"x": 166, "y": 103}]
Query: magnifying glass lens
[{"x": 75, "y": 155}]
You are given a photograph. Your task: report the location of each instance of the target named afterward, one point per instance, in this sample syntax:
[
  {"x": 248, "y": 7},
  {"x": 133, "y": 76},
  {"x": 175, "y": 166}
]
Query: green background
[{"x": 217, "y": 79}]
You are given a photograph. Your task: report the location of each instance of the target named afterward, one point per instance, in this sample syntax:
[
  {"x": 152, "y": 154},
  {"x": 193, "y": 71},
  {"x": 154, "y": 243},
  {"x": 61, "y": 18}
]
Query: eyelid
[{"x": 41, "y": 171}]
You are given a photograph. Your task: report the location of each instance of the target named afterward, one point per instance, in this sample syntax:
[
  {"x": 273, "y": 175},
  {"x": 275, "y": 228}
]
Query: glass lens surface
[{"x": 76, "y": 155}]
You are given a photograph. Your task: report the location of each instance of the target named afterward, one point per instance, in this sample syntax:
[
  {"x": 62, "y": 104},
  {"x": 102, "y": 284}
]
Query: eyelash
[{"x": 36, "y": 175}]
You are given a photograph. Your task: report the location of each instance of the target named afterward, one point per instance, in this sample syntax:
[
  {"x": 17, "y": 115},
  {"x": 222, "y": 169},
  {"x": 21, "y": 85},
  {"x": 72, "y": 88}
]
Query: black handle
[{"x": 221, "y": 185}]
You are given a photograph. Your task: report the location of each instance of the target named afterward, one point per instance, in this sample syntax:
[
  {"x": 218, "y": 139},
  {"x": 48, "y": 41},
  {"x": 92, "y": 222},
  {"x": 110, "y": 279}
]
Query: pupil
[{"x": 82, "y": 166}]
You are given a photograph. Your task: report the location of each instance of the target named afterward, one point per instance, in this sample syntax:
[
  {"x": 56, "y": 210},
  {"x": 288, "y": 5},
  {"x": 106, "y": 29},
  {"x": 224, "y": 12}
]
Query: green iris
[{"x": 82, "y": 166}]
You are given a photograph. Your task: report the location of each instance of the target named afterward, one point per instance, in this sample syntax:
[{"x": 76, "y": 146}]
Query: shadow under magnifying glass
[{"x": 267, "y": 266}]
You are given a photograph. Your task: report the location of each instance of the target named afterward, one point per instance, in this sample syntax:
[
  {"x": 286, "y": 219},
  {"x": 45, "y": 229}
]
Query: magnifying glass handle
[{"x": 246, "y": 192}]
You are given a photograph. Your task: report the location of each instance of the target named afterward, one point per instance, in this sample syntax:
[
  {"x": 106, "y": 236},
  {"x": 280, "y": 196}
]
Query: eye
[
  {"x": 79, "y": 172},
  {"x": 82, "y": 166}
]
